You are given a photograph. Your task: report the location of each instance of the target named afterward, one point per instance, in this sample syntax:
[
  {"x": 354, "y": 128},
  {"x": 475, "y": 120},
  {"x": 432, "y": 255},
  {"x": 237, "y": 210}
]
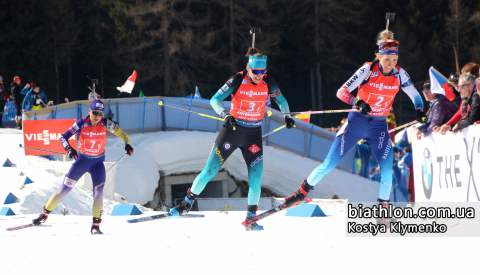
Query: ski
[
  {"x": 22, "y": 227},
  {"x": 273, "y": 211},
  {"x": 165, "y": 216}
]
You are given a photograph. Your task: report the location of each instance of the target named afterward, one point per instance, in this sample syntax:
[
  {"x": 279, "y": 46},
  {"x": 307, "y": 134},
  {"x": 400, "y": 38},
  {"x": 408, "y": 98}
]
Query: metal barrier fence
[
  {"x": 9, "y": 111},
  {"x": 141, "y": 115}
]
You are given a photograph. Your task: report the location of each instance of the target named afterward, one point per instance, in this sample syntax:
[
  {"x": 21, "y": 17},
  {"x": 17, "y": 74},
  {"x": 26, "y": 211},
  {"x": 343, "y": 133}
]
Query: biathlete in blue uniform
[
  {"x": 92, "y": 131},
  {"x": 250, "y": 90},
  {"x": 377, "y": 82}
]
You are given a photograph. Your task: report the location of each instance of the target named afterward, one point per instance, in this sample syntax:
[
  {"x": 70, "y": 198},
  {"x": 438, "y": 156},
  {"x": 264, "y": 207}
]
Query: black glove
[
  {"x": 72, "y": 153},
  {"x": 230, "y": 121},
  {"x": 289, "y": 122},
  {"x": 362, "y": 106},
  {"x": 421, "y": 117},
  {"x": 129, "y": 149}
]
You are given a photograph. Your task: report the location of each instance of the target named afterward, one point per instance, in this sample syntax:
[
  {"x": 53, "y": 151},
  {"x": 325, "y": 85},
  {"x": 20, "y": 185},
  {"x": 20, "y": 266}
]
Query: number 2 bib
[{"x": 379, "y": 92}]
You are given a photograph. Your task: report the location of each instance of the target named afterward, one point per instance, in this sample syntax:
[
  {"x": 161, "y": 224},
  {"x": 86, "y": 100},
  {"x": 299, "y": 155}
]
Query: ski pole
[
  {"x": 117, "y": 162},
  {"x": 402, "y": 126},
  {"x": 271, "y": 132},
  {"x": 320, "y": 112},
  {"x": 48, "y": 151},
  {"x": 200, "y": 114}
]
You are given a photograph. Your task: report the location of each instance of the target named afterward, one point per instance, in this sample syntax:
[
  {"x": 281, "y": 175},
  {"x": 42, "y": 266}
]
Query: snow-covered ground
[
  {"x": 137, "y": 176},
  {"x": 216, "y": 244}
]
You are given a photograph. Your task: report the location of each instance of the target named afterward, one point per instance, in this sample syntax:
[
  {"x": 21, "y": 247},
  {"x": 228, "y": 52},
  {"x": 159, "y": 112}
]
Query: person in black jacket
[
  {"x": 18, "y": 100},
  {"x": 469, "y": 111},
  {"x": 3, "y": 100}
]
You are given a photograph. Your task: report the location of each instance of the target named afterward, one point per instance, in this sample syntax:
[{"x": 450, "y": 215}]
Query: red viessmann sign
[{"x": 45, "y": 135}]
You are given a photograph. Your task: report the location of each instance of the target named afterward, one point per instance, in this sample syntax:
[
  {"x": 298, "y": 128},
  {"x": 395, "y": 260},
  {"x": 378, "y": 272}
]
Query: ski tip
[
  {"x": 244, "y": 223},
  {"x": 308, "y": 200}
]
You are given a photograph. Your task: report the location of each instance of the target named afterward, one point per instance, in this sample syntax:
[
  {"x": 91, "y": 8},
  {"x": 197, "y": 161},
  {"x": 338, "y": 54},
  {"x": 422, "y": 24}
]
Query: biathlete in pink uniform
[{"x": 92, "y": 131}]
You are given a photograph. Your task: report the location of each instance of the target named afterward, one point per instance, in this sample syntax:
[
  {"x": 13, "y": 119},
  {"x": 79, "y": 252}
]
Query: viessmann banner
[
  {"x": 446, "y": 168},
  {"x": 45, "y": 135}
]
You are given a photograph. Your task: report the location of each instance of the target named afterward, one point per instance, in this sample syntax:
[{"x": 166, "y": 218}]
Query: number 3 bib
[{"x": 248, "y": 102}]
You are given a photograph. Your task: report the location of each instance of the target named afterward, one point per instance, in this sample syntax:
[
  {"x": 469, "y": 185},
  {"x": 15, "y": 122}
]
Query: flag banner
[
  {"x": 197, "y": 93},
  {"x": 439, "y": 84},
  {"x": 127, "y": 87},
  {"x": 304, "y": 117}
]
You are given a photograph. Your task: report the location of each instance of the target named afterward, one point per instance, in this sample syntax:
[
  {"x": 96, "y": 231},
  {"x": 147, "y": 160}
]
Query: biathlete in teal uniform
[{"x": 250, "y": 90}]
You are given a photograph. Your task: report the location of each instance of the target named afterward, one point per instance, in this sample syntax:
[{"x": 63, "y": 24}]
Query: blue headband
[
  {"x": 257, "y": 62},
  {"x": 388, "y": 48}
]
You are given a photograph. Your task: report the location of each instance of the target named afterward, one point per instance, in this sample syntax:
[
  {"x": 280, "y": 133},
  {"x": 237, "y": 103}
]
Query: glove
[
  {"x": 421, "y": 117},
  {"x": 362, "y": 106},
  {"x": 289, "y": 122},
  {"x": 72, "y": 153},
  {"x": 129, "y": 149},
  {"x": 230, "y": 121}
]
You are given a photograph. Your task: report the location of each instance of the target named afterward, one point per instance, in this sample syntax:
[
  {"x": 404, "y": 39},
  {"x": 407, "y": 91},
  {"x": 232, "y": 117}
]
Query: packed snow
[{"x": 216, "y": 244}]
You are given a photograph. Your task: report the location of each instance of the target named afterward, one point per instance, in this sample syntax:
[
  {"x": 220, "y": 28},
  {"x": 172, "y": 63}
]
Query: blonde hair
[
  {"x": 385, "y": 36},
  {"x": 254, "y": 52}
]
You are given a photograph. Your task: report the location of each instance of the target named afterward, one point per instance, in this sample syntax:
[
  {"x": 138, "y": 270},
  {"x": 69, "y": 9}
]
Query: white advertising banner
[{"x": 447, "y": 168}]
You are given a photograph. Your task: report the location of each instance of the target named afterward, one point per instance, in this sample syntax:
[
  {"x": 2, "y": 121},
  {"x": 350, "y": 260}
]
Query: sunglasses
[
  {"x": 461, "y": 86},
  {"x": 257, "y": 72},
  {"x": 95, "y": 113}
]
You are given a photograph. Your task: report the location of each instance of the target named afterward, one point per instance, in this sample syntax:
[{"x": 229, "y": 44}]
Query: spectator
[
  {"x": 93, "y": 96},
  {"x": 469, "y": 111},
  {"x": 471, "y": 68},
  {"x": 441, "y": 111},
  {"x": 50, "y": 103},
  {"x": 404, "y": 164},
  {"x": 18, "y": 99},
  {"x": 3, "y": 101},
  {"x": 67, "y": 100},
  {"x": 35, "y": 98},
  {"x": 453, "y": 83},
  {"x": 335, "y": 197}
]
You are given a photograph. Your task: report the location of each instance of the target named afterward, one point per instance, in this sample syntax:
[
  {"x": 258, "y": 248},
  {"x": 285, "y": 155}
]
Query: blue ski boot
[
  {"x": 184, "y": 206},
  {"x": 252, "y": 212}
]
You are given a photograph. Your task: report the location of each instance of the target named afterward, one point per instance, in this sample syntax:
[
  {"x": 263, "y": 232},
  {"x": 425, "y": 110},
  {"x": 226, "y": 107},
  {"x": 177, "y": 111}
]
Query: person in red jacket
[{"x": 469, "y": 111}]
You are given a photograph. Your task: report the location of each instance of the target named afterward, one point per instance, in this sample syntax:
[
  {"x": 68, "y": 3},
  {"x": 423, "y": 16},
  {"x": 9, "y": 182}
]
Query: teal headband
[{"x": 257, "y": 62}]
